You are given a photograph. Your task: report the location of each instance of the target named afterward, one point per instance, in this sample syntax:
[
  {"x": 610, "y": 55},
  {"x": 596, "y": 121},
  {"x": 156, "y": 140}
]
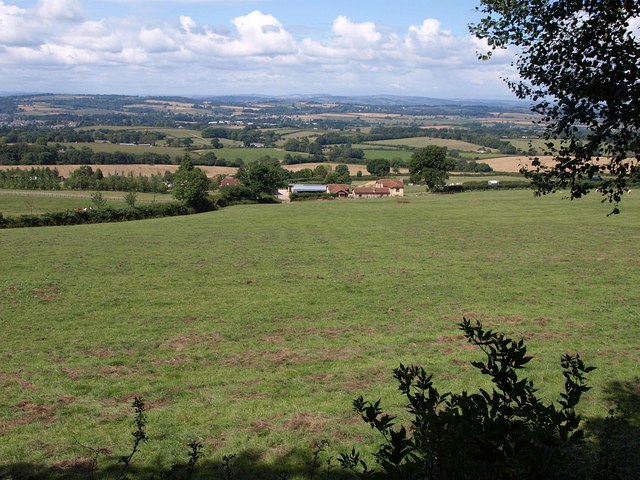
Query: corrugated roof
[{"x": 308, "y": 188}]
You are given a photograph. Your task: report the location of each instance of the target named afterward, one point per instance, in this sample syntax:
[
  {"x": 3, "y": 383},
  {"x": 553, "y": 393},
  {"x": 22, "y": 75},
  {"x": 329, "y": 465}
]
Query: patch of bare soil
[
  {"x": 307, "y": 422},
  {"x": 49, "y": 293},
  {"x": 8, "y": 291},
  {"x": 42, "y": 412},
  {"x": 328, "y": 333},
  {"x": 191, "y": 339},
  {"x": 545, "y": 335},
  {"x": 15, "y": 377},
  {"x": 173, "y": 361},
  {"x": 101, "y": 353},
  {"x": 115, "y": 371},
  {"x": 78, "y": 464}
]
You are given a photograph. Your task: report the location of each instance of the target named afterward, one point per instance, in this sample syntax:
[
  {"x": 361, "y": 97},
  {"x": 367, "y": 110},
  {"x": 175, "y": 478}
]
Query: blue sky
[{"x": 217, "y": 47}]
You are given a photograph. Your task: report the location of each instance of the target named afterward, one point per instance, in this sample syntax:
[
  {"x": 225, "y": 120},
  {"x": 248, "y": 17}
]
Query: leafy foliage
[
  {"x": 263, "y": 176},
  {"x": 579, "y": 62},
  {"x": 430, "y": 165},
  {"x": 191, "y": 185},
  {"x": 139, "y": 436},
  {"x": 98, "y": 200},
  {"x": 379, "y": 167},
  {"x": 98, "y": 215},
  {"x": 507, "y": 433}
]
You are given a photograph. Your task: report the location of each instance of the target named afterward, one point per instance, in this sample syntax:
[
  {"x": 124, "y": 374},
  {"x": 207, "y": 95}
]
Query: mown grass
[
  {"x": 253, "y": 327},
  {"x": 173, "y": 152},
  {"x": 421, "y": 142},
  {"x": 249, "y": 155},
  {"x": 23, "y": 202}
]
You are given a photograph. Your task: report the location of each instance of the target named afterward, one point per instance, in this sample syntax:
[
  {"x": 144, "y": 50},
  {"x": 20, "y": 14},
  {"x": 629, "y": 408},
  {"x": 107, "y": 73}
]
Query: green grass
[
  {"x": 249, "y": 155},
  {"x": 525, "y": 144},
  {"x": 22, "y": 202},
  {"x": 134, "y": 149},
  {"x": 370, "y": 153},
  {"x": 421, "y": 142},
  {"x": 253, "y": 327}
]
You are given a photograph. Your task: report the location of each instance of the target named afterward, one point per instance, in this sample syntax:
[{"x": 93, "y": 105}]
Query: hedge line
[
  {"x": 296, "y": 196},
  {"x": 503, "y": 185},
  {"x": 97, "y": 215}
]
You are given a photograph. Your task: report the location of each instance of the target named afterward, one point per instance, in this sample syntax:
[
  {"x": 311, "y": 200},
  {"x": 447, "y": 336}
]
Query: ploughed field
[{"x": 252, "y": 328}]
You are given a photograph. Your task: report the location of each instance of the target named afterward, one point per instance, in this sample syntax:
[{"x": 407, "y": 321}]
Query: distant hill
[{"x": 374, "y": 100}]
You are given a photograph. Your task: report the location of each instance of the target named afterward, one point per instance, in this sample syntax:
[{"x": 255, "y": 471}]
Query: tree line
[
  {"x": 83, "y": 178},
  {"x": 247, "y": 135},
  {"x": 42, "y": 135},
  {"x": 43, "y": 154}
]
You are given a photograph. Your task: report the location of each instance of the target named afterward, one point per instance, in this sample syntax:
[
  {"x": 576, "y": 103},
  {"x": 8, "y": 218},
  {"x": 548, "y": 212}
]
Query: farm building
[
  {"x": 395, "y": 186},
  {"x": 229, "y": 181},
  {"x": 369, "y": 192},
  {"x": 340, "y": 190},
  {"x": 305, "y": 188}
]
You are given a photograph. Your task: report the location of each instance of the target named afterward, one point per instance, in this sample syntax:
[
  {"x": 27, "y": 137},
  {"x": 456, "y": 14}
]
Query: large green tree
[
  {"x": 339, "y": 175},
  {"x": 191, "y": 185},
  {"x": 379, "y": 167},
  {"x": 263, "y": 177},
  {"x": 430, "y": 166},
  {"x": 579, "y": 63}
]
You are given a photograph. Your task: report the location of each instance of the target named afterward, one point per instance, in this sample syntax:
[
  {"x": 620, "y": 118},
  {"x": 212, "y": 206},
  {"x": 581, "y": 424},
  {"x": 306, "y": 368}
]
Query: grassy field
[
  {"x": 389, "y": 154},
  {"x": 252, "y": 154},
  {"x": 22, "y": 202},
  {"x": 421, "y": 142},
  {"x": 174, "y": 152},
  {"x": 253, "y": 327}
]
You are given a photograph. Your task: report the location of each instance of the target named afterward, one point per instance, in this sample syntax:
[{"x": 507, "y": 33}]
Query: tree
[
  {"x": 339, "y": 175},
  {"x": 579, "y": 62},
  {"x": 191, "y": 185},
  {"x": 131, "y": 198},
  {"x": 430, "y": 166},
  {"x": 264, "y": 176},
  {"x": 379, "y": 167}
]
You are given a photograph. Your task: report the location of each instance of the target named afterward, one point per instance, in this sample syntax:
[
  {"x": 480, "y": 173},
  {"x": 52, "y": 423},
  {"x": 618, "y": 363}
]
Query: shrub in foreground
[{"x": 508, "y": 433}]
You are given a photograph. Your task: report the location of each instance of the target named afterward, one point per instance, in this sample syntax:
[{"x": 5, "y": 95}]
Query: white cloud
[
  {"x": 256, "y": 49},
  {"x": 261, "y": 34},
  {"x": 98, "y": 36},
  {"x": 188, "y": 23},
  {"x": 18, "y": 27},
  {"x": 60, "y": 10},
  {"x": 355, "y": 34}
]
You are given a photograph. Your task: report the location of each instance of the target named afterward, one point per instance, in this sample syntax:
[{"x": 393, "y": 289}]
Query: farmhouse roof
[
  {"x": 391, "y": 182},
  {"x": 335, "y": 188},
  {"x": 371, "y": 191},
  {"x": 228, "y": 181}
]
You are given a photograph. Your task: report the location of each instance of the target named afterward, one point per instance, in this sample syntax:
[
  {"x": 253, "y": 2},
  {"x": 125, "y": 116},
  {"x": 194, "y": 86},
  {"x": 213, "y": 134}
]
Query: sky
[{"x": 269, "y": 47}]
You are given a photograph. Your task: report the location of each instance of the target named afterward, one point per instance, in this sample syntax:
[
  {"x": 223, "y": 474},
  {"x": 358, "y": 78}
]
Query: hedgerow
[{"x": 97, "y": 215}]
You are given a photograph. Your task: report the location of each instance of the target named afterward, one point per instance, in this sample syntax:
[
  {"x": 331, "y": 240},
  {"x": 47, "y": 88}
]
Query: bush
[
  {"x": 297, "y": 197},
  {"x": 503, "y": 185},
  {"x": 99, "y": 215},
  {"x": 235, "y": 194},
  {"x": 507, "y": 433}
]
